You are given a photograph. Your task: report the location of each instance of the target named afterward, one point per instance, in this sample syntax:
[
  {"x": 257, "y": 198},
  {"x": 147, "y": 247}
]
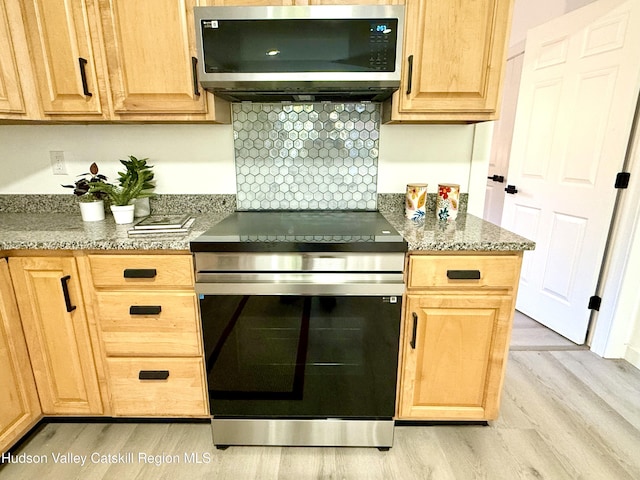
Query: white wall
[
  {"x": 632, "y": 306},
  {"x": 199, "y": 158},
  {"x": 186, "y": 158},
  {"x": 531, "y": 13}
]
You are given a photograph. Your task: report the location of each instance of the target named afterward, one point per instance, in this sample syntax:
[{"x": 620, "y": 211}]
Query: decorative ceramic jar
[
  {"x": 142, "y": 207},
  {"x": 416, "y": 201},
  {"x": 448, "y": 201}
]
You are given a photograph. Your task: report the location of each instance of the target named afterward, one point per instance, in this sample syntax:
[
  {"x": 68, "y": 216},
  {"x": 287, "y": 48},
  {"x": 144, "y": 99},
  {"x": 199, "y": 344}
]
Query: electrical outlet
[{"x": 57, "y": 162}]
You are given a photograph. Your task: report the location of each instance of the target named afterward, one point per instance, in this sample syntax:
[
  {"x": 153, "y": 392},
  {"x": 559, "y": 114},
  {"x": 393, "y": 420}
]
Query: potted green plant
[
  {"x": 135, "y": 167},
  {"x": 121, "y": 196},
  {"x": 91, "y": 203}
]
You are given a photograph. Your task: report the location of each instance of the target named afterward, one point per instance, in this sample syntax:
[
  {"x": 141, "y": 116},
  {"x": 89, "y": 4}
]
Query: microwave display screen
[{"x": 299, "y": 45}]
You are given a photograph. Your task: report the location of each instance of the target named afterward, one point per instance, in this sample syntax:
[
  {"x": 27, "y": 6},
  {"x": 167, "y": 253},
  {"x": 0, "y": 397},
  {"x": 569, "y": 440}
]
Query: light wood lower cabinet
[
  {"x": 19, "y": 406},
  {"x": 55, "y": 325},
  {"x": 148, "y": 324},
  {"x": 455, "y": 335},
  {"x": 157, "y": 387}
]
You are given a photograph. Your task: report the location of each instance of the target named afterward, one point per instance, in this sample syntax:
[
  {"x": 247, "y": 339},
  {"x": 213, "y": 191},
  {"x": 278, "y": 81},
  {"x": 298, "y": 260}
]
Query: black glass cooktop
[{"x": 281, "y": 231}]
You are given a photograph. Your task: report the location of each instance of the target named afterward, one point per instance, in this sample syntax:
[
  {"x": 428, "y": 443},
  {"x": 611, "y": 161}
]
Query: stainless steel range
[{"x": 301, "y": 317}]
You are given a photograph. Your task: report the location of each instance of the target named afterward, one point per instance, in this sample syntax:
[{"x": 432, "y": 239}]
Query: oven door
[{"x": 301, "y": 356}]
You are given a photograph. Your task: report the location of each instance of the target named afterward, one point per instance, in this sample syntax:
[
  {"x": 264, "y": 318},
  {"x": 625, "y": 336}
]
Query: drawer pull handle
[
  {"x": 410, "y": 73},
  {"x": 194, "y": 76},
  {"x": 145, "y": 309},
  {"x": 65, "y": 291},
  {"x": 415, "y": 330},
  {"x": 463, "y": 274},
  {"x": 140, "y": 273},
  {"x": 83, "y": 76},
  {"x": 153, "y": 375}
]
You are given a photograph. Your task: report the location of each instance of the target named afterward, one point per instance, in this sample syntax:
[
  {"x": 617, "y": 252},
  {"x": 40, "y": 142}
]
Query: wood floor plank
[
  {"x": 500, "y": 454},
  {"x": 531, "y": 456},
  {"x": 420, "y": 456},
  {"x": 527, "y": 334},
  {"x": 564, "y": 415},
  {"x": 585, "y": 434},
  {"x": 617, "y": 382}
]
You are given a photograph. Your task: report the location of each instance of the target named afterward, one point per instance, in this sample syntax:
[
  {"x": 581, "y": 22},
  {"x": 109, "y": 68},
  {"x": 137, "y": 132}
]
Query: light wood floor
[
  {"x": 565, "y": 414},
  {"x": 528, "y": 334}
]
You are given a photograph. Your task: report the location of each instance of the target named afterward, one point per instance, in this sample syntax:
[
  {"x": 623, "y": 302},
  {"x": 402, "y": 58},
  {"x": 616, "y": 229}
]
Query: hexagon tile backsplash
[{"x": 320, "y": 156}]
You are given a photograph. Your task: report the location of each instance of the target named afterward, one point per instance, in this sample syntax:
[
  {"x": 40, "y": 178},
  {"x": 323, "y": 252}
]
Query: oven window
[{"x": 311, "y": 356}]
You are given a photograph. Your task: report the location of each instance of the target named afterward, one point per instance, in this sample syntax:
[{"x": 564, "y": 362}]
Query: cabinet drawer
[
  {"x": 463, "y": 270},
  {"x": 178, "y": 390},
  {"x": 138, "y": 271},
  {"x": 149, "y": 323}
]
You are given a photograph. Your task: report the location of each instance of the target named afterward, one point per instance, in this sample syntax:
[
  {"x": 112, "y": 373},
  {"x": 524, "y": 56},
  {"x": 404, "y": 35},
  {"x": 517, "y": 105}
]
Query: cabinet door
[
  {"x": 11, "y": 100},
  {"x": 150, "y": 47},
  {"x": 66, "y": 70},
  {"x": 454, "y": 347},
  {"x": 18, "y": 396},
  {"x": 55, "y": 326},
  {"x": 454, "y": 59}
]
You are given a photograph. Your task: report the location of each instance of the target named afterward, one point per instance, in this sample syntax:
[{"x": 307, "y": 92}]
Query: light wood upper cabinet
[
  {"x": 55, "y": 325},
  {"x": 150, "y": 47},
  {"x": 454, "y": 61},
  {"x": 102, "y": 60},
  {"x": 11, "y": 100},
  {"x": 20, "y": 408},
  {"x": 68, "y": 73}
]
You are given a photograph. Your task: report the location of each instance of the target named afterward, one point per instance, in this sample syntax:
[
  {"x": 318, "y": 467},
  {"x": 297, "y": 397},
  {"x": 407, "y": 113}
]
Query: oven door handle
[{"x": 300, "y": 283}]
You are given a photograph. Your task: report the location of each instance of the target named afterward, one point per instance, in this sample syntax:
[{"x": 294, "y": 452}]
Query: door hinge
[
  {"x": 622, "y": 180},
  {"x": 594, "y": 303}
]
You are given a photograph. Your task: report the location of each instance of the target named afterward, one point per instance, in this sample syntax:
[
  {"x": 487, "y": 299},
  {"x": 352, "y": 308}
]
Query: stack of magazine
[{"x": 162, "y": 224}]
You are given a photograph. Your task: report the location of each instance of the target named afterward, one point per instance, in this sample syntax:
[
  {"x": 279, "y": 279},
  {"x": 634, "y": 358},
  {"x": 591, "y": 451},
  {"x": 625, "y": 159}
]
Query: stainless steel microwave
[{"x": 306, "y": 53}]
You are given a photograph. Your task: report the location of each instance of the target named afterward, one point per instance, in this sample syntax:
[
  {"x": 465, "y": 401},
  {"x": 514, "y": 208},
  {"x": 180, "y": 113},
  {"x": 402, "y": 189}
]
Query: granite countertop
[
  {"x": 63, "y": 231},
  {"x": 67, "y": 231},
  {"x": 466, "y": 233}
]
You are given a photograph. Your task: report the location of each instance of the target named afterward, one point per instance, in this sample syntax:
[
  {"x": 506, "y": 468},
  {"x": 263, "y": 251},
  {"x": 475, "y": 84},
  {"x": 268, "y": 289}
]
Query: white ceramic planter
[
  {"x": 122, "y": 213},
  {"x": 92, "y": 211},
  {"x": 142, "y": 207}
]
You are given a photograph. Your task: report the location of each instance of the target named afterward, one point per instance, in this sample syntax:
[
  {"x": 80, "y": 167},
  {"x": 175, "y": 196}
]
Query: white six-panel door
[
  {"x": 502, "y": 134},
  {"x": 580, "y": 82}
]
